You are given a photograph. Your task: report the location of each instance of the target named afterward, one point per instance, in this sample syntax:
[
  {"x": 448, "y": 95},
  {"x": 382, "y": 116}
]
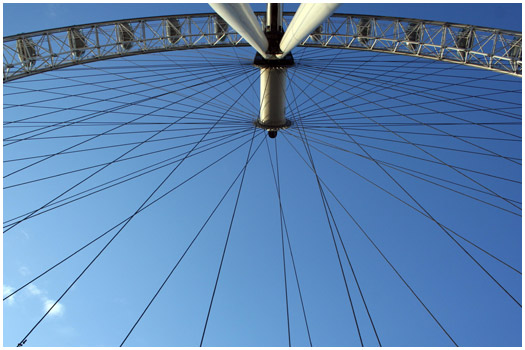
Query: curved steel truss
[{"x": 32, "y": 53}]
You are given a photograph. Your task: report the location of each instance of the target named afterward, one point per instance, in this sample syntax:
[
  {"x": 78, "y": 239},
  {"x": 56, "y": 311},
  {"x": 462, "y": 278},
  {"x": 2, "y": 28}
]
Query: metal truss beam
[{"x": 31, "y": 53}]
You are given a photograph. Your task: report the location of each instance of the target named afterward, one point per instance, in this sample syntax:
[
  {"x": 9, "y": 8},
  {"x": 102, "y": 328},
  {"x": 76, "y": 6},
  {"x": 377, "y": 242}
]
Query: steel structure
[
  {"x": 325, "y": 121},
  {"x": 32, "y": 53}
]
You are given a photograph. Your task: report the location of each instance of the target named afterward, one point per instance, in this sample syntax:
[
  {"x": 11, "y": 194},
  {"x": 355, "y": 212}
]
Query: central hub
[{"x": 273, "y": 96}]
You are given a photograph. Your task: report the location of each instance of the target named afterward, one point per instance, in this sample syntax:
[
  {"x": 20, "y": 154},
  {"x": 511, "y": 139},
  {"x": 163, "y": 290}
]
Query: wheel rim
[{"x": 363, "y": 85}]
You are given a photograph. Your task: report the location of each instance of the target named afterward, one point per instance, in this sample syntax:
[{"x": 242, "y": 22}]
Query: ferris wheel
[{"x": 244, "y": 178}]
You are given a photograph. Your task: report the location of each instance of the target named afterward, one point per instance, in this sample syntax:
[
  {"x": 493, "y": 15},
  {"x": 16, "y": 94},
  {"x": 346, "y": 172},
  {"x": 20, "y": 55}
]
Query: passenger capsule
[
  {"x": 125, "y": 35},
  {"x": 464, "y": 41},
  {"x": 77, "y": 42},
  {"x": 221, "y": 28},
  {"x": 363, "y": 30},
  {"x": 27, "y": 52},
  {"x": 515, "y": 49},
  {"x": 414, "y": 33},
  {"x": 173, "y": 30},
  {"x": 316, "y": 34},
  {"x": 515, "y": 54}
]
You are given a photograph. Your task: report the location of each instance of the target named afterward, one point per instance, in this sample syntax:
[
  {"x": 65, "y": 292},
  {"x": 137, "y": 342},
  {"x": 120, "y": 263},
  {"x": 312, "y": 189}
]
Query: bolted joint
[
  {"x": 271, "y": 128},
  {"x": 285, "y": 62}
]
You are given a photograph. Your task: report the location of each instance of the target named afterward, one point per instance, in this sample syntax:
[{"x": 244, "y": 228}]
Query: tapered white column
[
  {"x": 307, "y": 18},
  {"x": 273, "y": 98},
  {"x": 241, "y": 18}
]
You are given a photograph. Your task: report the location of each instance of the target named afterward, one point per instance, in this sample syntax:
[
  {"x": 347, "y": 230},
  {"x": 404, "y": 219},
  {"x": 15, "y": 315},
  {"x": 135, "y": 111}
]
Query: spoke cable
[
  {"x": 227, "y": 239},
  {"x": 191, "y": 244},
  {"x": 438, "y": 223},
  {"x": 24, "y": 340}
]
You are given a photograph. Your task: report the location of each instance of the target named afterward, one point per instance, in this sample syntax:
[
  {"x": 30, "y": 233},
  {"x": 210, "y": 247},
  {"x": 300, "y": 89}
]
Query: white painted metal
[
  {"x": 497, "y": 50},
  {"x": 307, "y": 18},
  {"x": 273, "y": 98},
  {"x": 241, "y": 18}
]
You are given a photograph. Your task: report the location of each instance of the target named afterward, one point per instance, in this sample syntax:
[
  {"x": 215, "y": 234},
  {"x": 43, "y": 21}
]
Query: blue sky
[{"x": 249, "y": 307}]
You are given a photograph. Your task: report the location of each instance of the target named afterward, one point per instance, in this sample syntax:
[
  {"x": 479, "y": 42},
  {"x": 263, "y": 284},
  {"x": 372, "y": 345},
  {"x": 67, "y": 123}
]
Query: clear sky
[{"x": 469, "y": 182}]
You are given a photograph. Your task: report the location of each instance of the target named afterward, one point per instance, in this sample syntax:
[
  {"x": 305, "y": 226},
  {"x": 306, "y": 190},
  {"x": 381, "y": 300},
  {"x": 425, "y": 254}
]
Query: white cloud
[
  {"x": 33, "y": 290},
  {"x": 6, "y": 291},
  {"x": 58, "y": 310},
  {"x": 24, "y": 271}
]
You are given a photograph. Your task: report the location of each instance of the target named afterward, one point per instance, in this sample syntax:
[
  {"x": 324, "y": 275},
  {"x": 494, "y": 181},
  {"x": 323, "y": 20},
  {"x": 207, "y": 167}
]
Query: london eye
[{"x": 290, "y": 176}]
